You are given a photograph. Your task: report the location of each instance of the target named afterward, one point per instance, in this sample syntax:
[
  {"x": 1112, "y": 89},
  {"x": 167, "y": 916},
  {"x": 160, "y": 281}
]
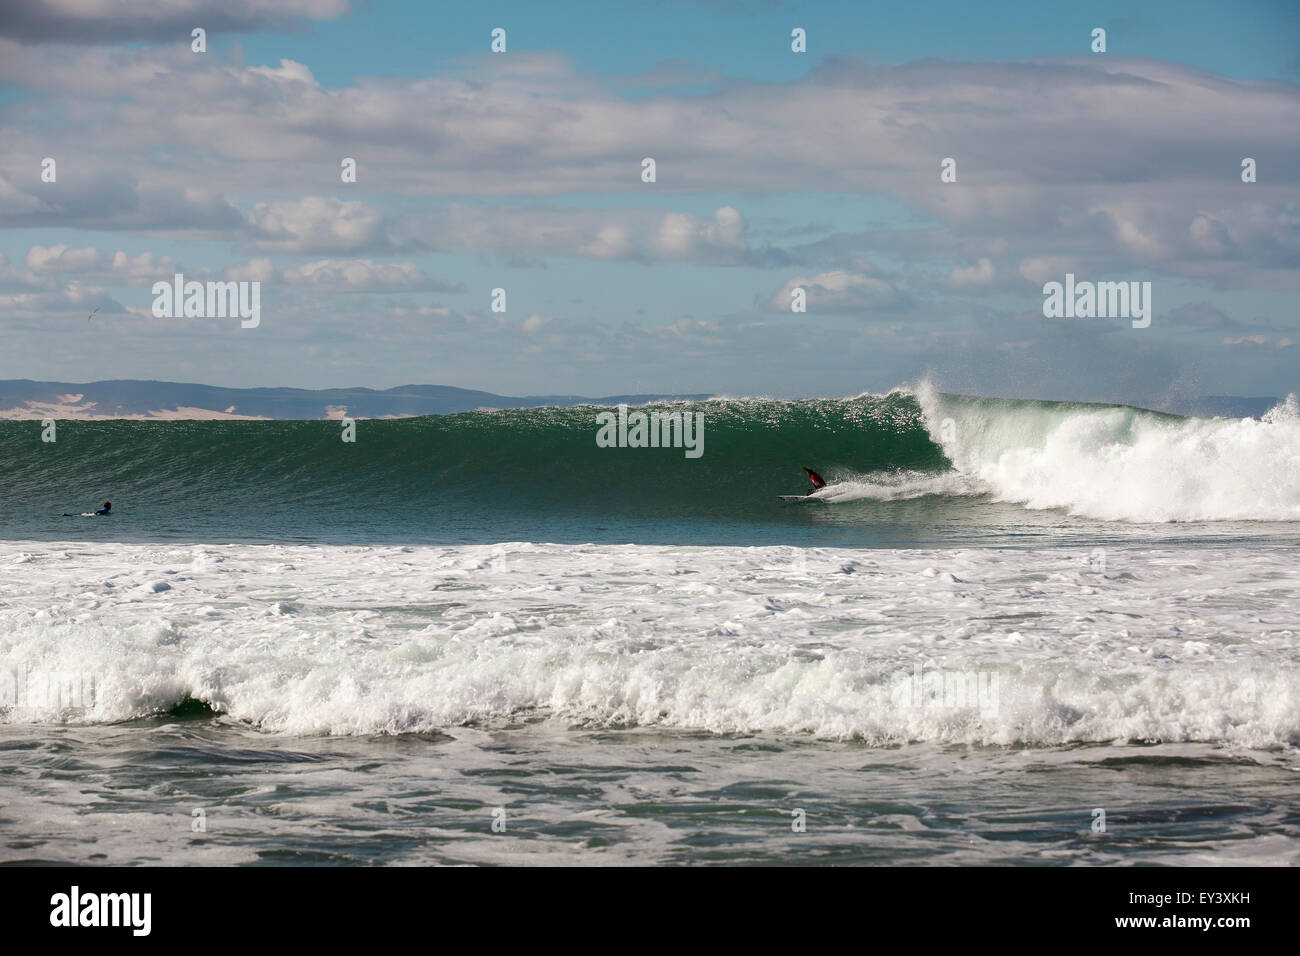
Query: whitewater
[
  {"x": 1121, "y": 463},
  {"x": 1158, "y": 645}
]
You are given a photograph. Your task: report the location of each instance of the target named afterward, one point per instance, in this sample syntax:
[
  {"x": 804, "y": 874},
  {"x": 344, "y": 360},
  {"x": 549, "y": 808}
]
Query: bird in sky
[{"x": 92, "y": 315}]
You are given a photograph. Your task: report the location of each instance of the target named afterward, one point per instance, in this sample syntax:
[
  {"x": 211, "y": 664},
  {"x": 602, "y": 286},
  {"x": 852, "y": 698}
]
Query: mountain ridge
[{"x": 23, "y": 399}]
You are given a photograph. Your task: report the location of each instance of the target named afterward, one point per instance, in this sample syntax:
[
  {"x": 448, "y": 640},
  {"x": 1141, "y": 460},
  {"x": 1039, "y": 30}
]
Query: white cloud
[
  {"x": 611, "y": 242},
  {"x": 290, "y": 70},
  {"x": 530, "y": 125},
  {"x": 254, "y": 270},
  {"x": 362, "y": 275},
  {"x": 837, "y": 291},
  {"x": 317, "y": 224},
  {"x": 144, "y": 267},
  {"x": 1041, "y": 269},
  {"x": 1209, "y": 235},
  {"x": 636, "y": 235},
  {"x": 981, "y": 274},
  {"x": 63, "y": 258},
  {"x": 74, "y": 297},
  {"x": 681, "y": 236},
  {"x": 1130, "y": 224}
]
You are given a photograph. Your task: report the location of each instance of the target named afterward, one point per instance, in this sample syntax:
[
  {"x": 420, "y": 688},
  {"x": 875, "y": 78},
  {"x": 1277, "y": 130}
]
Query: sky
[{"x": 775, "y": 170}]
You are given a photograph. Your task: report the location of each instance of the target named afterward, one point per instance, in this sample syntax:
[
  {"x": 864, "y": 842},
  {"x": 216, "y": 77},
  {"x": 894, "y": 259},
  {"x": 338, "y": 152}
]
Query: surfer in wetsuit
[
  {"x": 817, "y": 480},
  {"x": 106, "y": 510}
]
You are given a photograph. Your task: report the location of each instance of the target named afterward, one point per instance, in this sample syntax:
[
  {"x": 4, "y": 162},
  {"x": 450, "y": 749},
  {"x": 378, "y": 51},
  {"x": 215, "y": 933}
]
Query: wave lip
[{"x": 1118, "y": 463}]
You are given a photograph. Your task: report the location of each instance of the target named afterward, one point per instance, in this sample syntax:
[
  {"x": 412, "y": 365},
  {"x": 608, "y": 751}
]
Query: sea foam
[
  {"x": 1123, "y": 463},
  {"x": 1171, "y": 644}
]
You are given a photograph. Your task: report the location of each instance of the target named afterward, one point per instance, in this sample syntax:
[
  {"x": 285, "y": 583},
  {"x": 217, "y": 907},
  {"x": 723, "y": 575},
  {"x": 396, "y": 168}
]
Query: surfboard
[{"x": 800, "y": 498}]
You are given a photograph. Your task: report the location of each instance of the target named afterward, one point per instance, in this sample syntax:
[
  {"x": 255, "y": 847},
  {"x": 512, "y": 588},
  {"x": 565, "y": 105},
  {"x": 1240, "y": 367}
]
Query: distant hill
[{"x": 23, "y": 399}]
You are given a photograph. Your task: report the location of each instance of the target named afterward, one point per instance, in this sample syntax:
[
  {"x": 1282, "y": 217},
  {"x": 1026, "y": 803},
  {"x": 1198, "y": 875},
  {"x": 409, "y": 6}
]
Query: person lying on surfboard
[
  {"x": 106, "y": 510},
  {"x": 817, "y": 480}
]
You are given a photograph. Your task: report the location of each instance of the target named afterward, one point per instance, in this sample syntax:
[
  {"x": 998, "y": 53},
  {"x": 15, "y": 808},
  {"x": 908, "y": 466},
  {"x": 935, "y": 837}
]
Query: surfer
[
  {"x": 106, "y": 510},
  {"x": 817, "y": 480}
]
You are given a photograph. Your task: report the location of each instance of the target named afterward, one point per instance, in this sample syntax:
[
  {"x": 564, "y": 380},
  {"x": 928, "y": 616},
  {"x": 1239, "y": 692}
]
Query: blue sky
[{"x": 775, "y": 170}]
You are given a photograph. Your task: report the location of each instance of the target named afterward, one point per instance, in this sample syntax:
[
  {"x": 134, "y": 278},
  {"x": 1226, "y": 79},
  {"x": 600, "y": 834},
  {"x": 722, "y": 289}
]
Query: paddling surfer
[{"x": 106, "y": 510}]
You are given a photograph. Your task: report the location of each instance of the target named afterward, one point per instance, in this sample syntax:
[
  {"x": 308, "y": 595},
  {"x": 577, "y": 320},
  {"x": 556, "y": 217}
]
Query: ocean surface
[{"x": 1007, "y": 632}]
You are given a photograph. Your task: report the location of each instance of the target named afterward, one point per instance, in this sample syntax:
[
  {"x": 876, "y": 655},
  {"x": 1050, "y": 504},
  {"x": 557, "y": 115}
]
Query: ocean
[{"x": 1006, "y": 632}]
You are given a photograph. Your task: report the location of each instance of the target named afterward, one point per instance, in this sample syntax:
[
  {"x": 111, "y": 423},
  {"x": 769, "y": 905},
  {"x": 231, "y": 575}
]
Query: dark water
[
  {"x": 520, "y": 474},
  {"x": 133, "y": 794}
]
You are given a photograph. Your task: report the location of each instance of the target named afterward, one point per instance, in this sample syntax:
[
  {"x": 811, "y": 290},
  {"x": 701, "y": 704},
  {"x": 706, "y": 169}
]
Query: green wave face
[
  {"x": 526, "y": 459},
  {"x": 907, "y": 461}
]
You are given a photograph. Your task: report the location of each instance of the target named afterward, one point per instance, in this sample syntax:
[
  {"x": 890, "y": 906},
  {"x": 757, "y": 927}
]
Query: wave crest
[{"x": 1118, "y": 463}]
